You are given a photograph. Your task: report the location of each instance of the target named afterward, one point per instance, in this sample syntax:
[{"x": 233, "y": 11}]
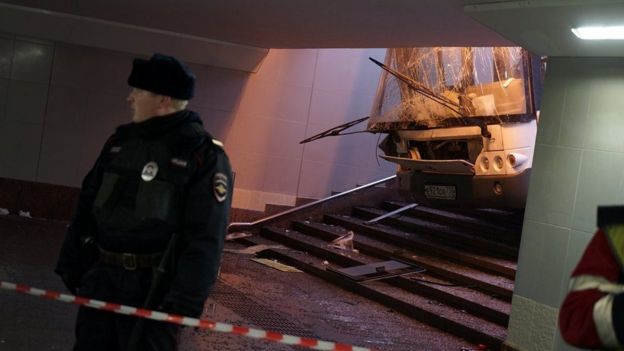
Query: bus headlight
[
  {"x": 498, "y": 163},
  {"x": 516, "y": 159},
  {"x": 485, "y": 163}
]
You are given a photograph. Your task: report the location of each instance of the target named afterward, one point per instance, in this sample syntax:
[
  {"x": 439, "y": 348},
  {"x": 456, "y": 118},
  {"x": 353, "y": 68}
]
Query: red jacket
[{"x": 592, "y": 314}]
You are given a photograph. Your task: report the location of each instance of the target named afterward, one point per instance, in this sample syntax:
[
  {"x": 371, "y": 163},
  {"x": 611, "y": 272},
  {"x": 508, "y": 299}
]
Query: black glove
[{"x": 71, "y": 282}]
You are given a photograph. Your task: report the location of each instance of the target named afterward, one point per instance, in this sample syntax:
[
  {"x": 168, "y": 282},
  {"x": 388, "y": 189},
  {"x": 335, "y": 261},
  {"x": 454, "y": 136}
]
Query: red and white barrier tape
[{"x": 187, "y": 321}]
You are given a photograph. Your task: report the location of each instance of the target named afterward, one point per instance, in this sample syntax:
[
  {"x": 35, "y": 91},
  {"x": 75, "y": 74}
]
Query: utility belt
[{"x": 130, "y": 261}]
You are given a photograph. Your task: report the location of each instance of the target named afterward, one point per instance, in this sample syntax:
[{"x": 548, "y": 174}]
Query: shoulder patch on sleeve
[
  {"x": 220, "y": 186},
  {"x": 217, "y": 142}
]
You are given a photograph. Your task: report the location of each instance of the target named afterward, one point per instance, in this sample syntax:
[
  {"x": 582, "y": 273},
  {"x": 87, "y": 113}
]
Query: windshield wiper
[{"x": 337, "y": 130}]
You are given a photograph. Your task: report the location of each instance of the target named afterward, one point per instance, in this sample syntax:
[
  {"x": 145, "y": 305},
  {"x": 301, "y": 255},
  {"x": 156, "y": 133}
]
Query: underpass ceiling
[{"x": 237, "y": 34}]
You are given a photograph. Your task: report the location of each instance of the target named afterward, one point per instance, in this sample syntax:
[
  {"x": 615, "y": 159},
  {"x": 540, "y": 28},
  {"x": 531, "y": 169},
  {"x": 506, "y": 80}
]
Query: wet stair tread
[
  {"x": 509, "y": 233},
  {"x": 460, "y": 295},
  {"x": 415, "y": 241},
  {"x": 495, "y": 216},
  {"x": 494, "y": 285},
  {"x": 428, "y": 311},
  {"x": 441, "y": 232}
]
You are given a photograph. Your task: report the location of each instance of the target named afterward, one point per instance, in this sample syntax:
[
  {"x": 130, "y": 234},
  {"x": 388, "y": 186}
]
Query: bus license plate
[{"x": 444, "y": 192}]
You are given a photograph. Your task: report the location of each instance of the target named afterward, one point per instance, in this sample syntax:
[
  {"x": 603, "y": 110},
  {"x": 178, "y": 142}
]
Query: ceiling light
[{"x": 599, "y": 33}]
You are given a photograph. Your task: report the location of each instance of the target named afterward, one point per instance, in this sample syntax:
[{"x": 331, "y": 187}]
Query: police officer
[{"x": 158, "y": 195}]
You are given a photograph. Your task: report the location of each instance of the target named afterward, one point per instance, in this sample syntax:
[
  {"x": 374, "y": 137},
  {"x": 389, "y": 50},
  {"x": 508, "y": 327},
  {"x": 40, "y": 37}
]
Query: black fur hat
[{"x": 163, "y": 75}]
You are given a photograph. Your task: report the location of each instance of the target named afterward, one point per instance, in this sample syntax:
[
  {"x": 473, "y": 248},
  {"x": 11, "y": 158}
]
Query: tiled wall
[
  {"x": 59, "y": 103},
  {"x": 578, "y": 165},
  {"x": 25, "y": 67},
  {"x": 296, "y": 94}
]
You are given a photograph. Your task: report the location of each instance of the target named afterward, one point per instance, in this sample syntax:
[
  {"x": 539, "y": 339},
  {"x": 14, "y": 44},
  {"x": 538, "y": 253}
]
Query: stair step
[
  {"x": 495, "y": 216},
  {"x": 509, "y": 233},
  {"x": 428, "y": 311},
  {"x": 442, "y": 233},
  {"x": 443, "y": 290},
  {"x": 503, "y": 267},
  {"x": 495, "y": 286}
]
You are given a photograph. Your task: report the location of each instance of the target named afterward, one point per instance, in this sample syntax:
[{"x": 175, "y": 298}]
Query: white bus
[{"x": 461, "y": 123}]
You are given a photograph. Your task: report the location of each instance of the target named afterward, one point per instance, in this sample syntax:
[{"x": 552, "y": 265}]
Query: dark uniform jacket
[{"x": 152, "y": 179}]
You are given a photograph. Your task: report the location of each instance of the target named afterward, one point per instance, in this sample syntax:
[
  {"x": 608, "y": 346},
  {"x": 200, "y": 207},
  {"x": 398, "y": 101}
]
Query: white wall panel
[
  {"x": 74, "y": 97},
  {"x": 32, "y": 61},
  {"x": 6, "y": 56},
  {"x": 578, "y": 165}
]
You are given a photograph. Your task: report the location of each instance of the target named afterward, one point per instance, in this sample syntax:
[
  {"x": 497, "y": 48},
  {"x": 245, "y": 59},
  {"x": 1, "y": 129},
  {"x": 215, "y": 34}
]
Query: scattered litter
[
  {"x": 210, "y": 309},
  {"x": 237, "y": 235},
  {"x": 4, "y": 212},
  {"x": 326, "y": 262},
  {"x": 252, "y": 250},
  {"x": 24, "y": 214},
  {"x": 377, "y": 270},
  {"x": 344, "y": 242},
  {"x": 274, "y": 264}
]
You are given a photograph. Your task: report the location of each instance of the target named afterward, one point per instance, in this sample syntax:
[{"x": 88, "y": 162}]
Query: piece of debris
[
  {"x": 276, "y": 265},
  {"x": 377, "y": 270},
  {"x": 344, "y": 242},
  {"x": 24, "y": 214},
  {"x": 4, "y": 211},
  {"x": 210, "y": 308},
  {"x": 252, "y": 250},
  {"x": 237, "y": 235}
]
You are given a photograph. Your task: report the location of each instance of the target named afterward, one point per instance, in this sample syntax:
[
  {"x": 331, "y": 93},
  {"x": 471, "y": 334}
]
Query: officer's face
[{"x": 144, "y": 104}]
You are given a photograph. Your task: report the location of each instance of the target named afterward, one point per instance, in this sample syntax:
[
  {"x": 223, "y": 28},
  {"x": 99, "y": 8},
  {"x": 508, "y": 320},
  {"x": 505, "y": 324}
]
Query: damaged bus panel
[{"x": 460, "y": 123}]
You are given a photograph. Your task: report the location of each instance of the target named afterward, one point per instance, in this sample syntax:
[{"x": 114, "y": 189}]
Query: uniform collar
[{"x": 157, "y": 126}]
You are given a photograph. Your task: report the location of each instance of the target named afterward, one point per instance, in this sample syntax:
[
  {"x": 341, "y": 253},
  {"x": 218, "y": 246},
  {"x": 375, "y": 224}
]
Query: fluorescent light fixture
[{"x": 599, "y": 33}]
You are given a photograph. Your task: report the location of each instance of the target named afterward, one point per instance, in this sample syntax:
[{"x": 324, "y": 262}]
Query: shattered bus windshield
[{"x": 422, "y": 88}]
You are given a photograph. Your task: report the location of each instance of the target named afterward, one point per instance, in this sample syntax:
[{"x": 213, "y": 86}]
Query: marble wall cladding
[
  {"x": 578, "y": 165},
  {"x": 19, "y": 150},
  {"x": 32, "y": 61},
  {"x": 60, "y": 102},
  {"x": 543, "y": 249},
  {"x": 6, "y": 56},
  {"x": 294, "y": 95},
  {"x": 4, "y": 96},
  {"x": 553, "y": 184},
  {"x": 25, "y": 67},
  {"x": 26, "y": 102},
  {"x": 344, "y": 89}
]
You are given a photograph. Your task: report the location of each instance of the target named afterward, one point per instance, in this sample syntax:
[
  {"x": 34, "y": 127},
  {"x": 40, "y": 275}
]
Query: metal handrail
[{"x": 244, "y": 225}]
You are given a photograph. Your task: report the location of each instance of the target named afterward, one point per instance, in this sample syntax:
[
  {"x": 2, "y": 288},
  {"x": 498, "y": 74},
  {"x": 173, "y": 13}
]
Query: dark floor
[{"x": 247, "y": 294}]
